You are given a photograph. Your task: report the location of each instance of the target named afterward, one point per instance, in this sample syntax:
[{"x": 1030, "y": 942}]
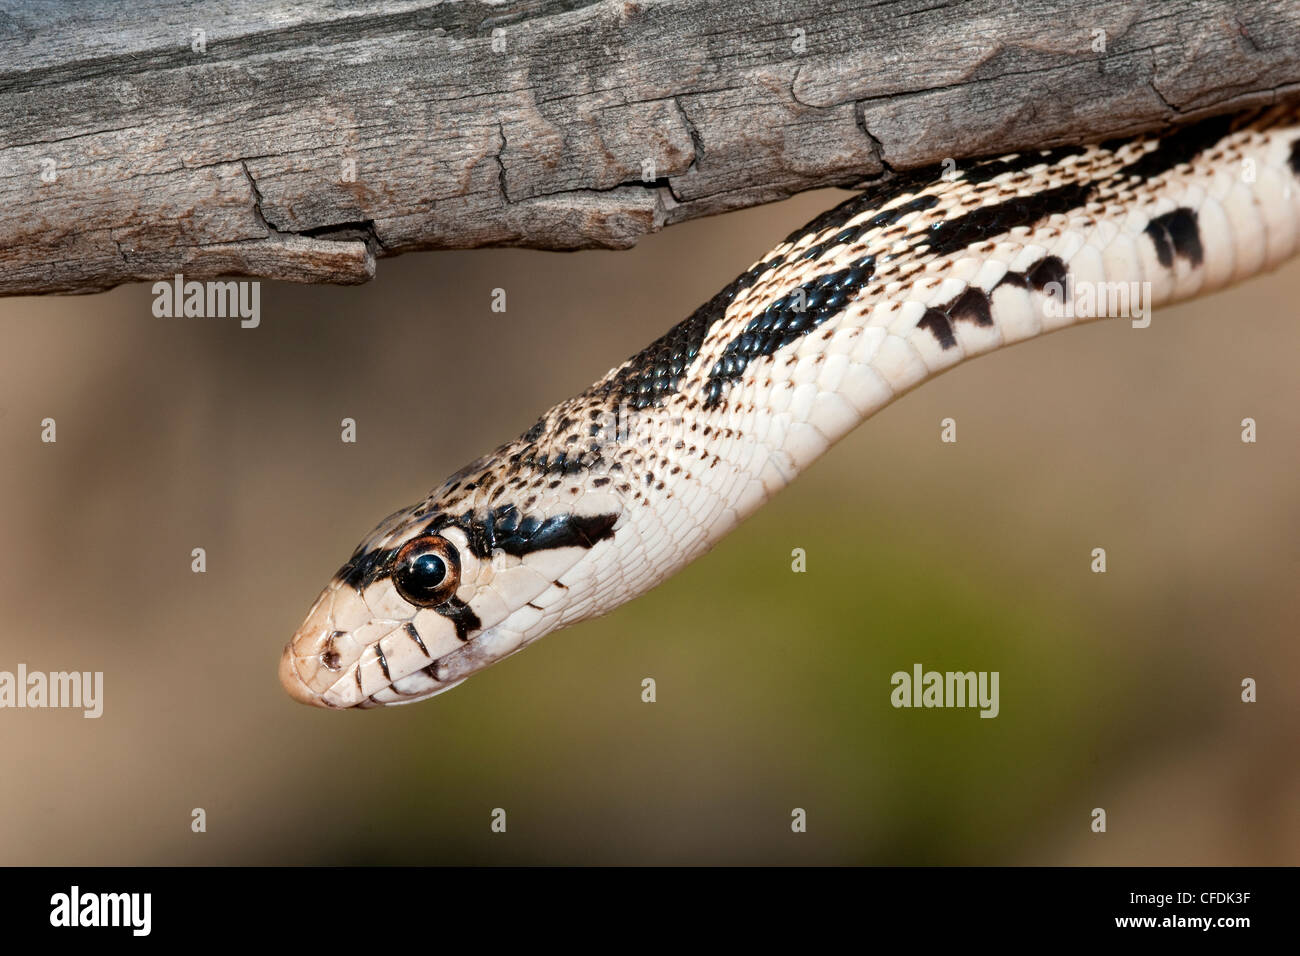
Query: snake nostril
[{"x": 330, "y": 657}]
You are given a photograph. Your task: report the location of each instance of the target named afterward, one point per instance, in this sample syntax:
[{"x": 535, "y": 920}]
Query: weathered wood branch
[{"x": 301, "y": 140}]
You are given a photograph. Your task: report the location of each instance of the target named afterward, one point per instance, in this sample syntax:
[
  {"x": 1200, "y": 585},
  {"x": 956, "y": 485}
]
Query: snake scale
[{"x": 615, "y": 490}]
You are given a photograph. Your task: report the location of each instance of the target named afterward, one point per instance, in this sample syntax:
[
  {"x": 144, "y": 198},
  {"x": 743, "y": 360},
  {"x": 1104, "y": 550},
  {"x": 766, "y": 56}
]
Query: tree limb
[{"x": 302, "y": 140}]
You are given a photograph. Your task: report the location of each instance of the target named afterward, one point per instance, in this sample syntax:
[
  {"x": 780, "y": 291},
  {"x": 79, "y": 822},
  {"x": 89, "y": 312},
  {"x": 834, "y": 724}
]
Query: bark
[{"x": 297, "y": 140}]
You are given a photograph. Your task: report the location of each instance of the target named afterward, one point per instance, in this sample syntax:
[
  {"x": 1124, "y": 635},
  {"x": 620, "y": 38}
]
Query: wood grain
[{"x": 304, "y": 140}]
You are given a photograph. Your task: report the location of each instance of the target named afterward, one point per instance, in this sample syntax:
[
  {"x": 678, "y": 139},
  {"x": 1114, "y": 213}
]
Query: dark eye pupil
[{"x": 426, "y": 572}]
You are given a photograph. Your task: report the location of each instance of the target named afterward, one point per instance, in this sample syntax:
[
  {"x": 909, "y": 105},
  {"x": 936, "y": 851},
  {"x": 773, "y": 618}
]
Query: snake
[{"x": 613, "y": 491}]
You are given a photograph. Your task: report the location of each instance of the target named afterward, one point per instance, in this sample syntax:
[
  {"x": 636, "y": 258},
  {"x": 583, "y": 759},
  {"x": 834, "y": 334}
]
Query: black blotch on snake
[
  {"x": 1176, "y": 233},
  {"x": 974, "y": 305},
  {"x": 937, "y": 322}
]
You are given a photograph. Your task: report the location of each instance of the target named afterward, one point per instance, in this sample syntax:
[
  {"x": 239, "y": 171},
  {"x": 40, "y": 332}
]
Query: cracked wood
[{"x": 303, "y": 141}]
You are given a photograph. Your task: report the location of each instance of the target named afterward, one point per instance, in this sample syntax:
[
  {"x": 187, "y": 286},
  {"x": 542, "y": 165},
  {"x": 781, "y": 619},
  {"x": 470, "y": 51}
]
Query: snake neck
[{"x": 887, "y": 290}]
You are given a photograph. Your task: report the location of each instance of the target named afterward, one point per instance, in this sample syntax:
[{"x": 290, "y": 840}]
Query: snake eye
[{"x": 427, "y": 571}]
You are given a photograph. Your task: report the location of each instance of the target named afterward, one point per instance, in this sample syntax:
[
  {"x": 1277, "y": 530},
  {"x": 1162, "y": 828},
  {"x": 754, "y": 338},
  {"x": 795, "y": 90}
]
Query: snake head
[{"x": 433, "y": 595}]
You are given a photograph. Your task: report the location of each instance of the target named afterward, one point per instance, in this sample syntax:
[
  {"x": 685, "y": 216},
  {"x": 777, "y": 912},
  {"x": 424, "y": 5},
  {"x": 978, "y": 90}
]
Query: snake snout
[
  {"x": 292, "y": 680},
  {"x": 305, "y": 664},
  {"x": 369, "y": 649}
]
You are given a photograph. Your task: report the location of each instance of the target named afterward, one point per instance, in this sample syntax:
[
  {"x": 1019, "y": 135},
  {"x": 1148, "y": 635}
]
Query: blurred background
[{"x": 1119, "y": 691}]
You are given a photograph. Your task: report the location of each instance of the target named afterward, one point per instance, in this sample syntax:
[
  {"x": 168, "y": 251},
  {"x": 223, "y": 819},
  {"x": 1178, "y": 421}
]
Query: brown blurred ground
[{"x": 1119, "y": 691}]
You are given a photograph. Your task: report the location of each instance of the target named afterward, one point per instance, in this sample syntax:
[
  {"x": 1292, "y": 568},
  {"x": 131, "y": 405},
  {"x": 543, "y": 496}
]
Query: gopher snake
[{"x": 615, "y": 490}]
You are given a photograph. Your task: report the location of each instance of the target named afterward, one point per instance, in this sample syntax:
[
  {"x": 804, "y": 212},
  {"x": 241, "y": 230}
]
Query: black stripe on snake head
[
  {"x": 505, "y": 529},
  {"x": 461, "y": 616},
  {"x": 520, "y": 536},
  {"x": 414, "y": 635},
  {"x": 501, "y": 529},
  {"x": 366, "y": 567}
]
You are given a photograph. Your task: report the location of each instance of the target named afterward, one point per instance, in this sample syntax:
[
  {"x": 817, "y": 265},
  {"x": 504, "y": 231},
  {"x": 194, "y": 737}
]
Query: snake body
[{"x": 613, "y": 491}]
